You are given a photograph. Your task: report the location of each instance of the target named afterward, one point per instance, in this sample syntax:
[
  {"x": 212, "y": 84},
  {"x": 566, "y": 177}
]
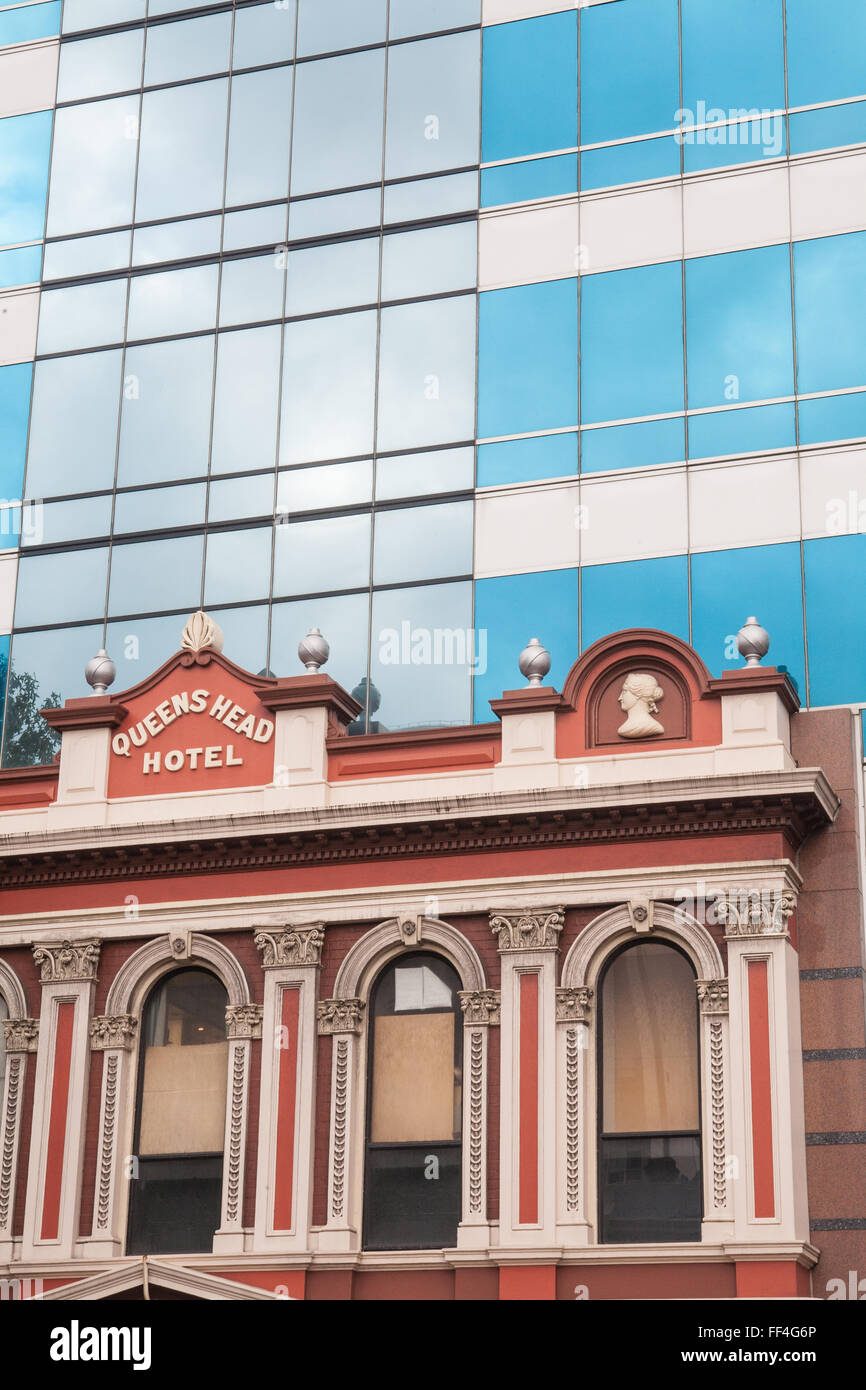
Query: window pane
[
  {"x": 413, "y": 1078},
  {"x": 427, "y": 373},
  {"x": 632, "y": 343},
  {"x": 538, "y": 59},
  {"x": 328, "y": 388},
  {"x": 160, "y": 508},
  {"x": 95, "y": 67},
  {"x": 629, "y": 59},
  {"x": 333, "y": 277},
  {"x": 82, "y": 316},
  {"x": 165, "y": 420},
  {"x": 506, "y": 610},
  {"x": 156, "y": 639},
  {"x": 238, "y": 565},
  {"x": 252, "y": 289},
  {"x": 529, "y": 179},
  {"x": 47, "y": 668},
  {"x": 264, "y": 34},
  {"x": 316, "y": 556},
  {"x": 191, "y": 48},
  {"x": 425, "y": 16},
  {"x": 527, "y": 358},
  {"x": 86, "y": 256},
  {"x": 26, "y": 23},
  {"x": 345, "y": 212},
  {"x": 259, "y": 137},
  {"x": 629, "y": 163},
  {"x": 423, "y": 543},
  {"x": 232, "y": 499},
  {"x": 723, "y": 71},
  {"x": 92, "y": 14},
  {"x": 830, "y": 296},
  {"x": 246, "y": 636},
  {"x": 65, "y": 587},
  {"x": 24, "y": 150},
  {"x": 93, "y": 166},
  {"x": 246, "y": 401},
  {"x": 651, "y": 1190},
  {"x": 439, "y": 76},
  {"x": 742, "y": 431},
  {"x": 636, "y": 593},
  {"x": 527, "y": 460},
  {"x": 172, "y": 241},
  {"x": 739, "y": 327},
  {"x": 334, "y": 485},
  {"x": 413, "y": 475},
  {"x": 256, "y": 227},
  {"x": 325, "y": 26},
  {"x": 57, "y": 522},
  {"x": 182, "y": 150},
  {"x": 433, "y": 261},
  {"x": 431, "y": 197},
  {"x": 73, "y": 430},
  {"x": 837, "y": 650},
  {"x": 423, "y": 682},
  {"x": 632, "y": 446},
  {"x": 345, "y": 621},
  {"x": 650, "y": 1044},
  {"x": 149, "y": 575},
  {"x": 835, "y": 125},
  {"x": 14, "y": 414},
  {"x": 724, "y": 580},
  {"x": 177, "y": 301},
  {"x": 826, "y": 44},
  {"x": 339, "y": 105},
  {"x": 185, "y": 1061}
]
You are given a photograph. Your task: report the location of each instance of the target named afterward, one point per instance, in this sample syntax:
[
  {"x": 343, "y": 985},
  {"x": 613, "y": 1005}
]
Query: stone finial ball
[
  {"x": 753, "y": 642},
  {"x": 100, "y": 672},
  {"x": 534, "y": 662},
  {"x": 313, "y": 650}
]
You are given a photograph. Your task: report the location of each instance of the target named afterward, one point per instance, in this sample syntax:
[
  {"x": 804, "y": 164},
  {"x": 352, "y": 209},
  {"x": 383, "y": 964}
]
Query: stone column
[
  {"x": 481, "y": 1011},
  {"x": 573, "y": 1147},
  {"x": 22, "y": 1036},
  {"x": 243, "y": 1026},
  {"x": 114, "y": 1036},
  {"x": 342, "y": 1019}
]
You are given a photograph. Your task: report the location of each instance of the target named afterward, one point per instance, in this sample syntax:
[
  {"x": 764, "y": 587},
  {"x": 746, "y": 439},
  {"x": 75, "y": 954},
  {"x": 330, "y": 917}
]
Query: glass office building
[{"x": 437, "y": 325}]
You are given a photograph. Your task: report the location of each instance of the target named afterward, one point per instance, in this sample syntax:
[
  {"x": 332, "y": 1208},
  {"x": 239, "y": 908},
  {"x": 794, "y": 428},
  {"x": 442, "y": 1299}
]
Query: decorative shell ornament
[
  {"x": 100, "y": 672},
  {"x": 201, "y": 632},
  {"x": 313, "y": 650},
  {"x": 753, "y": 642},
  {"x": 534, "y": 662}
]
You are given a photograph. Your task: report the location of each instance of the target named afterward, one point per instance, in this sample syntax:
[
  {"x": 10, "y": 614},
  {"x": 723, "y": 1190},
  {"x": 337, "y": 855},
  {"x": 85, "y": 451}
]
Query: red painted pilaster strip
[
  {"x": 53, "y": 1188},
  {"x": 528, "y": 1102},
  {"x": 762, "y": 1113},
  {"x": 287, "y": 1092}
]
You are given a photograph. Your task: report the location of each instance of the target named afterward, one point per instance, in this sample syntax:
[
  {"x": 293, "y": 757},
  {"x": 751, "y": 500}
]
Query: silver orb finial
[
  {"x": 753, "y": 642},
  {"x": 534, "y": 662},
  {"x": 100, "y": 672},
  {"x": 313, "y": 650}
]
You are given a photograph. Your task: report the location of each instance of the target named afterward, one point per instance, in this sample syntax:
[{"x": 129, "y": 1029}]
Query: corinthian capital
[
  {"x": 67, "y": 961},
  {"x": 113, "y": 1032},
  {"x": 339, "y": 1015},
  {"x": 528, "y": 931},
  {"x": 22, "y": 1034},
  {"x": 713, "y": 996},
  {"x": 481, "y": 1005},
  {"x": 755, "y": 912},
  {"x": 244, "y": 1021},
  {"x": 572, "y": 1005},
  {"x": 291, "y": 946}
]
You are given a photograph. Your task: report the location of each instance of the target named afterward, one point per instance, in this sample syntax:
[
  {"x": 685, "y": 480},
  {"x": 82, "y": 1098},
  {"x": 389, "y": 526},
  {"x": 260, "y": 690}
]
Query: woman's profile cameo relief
[{"x": 638, "y": 700}]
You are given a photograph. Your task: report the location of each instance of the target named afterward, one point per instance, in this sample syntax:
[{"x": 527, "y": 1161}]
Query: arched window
[
  {"x": 412, "y": 1182},
  {"x": 649, "y": 1100},
  {"x": 176, "y": 1182},
  {"x": 4, "y": 1014}
]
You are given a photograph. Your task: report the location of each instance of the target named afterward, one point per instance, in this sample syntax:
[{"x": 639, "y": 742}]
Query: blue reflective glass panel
[
  {"x": 63, "y": 587},
  {"x": 742, "y": 431},
  {"x": 740, "y": 142},
  {"x": 99, "y": 137},
  {"x": 73, "y": 429},
  {"x": 165, "y": 421},
  {"x": 527, "y": 460},
  {"x": 264, "y": 34},
  {"x": 432, "y": 105},
  {"x": 147, "y": 576},
  {"x": 329, "y": 373},
  {"x": 246, "y": 400},
  {"x": 630, "y": 163},
  {"x": 739, "y": 327},
  {"x": 830, "y": 299},
  {"x": 183, "y": 139},
  {"x": 834, "y": 125},
  {"x": 20, "y": 267},
  {"x": 529, "y": 87},
  {"x": 26, "y": 23},
  {"x": 422, "y": 655},
  {"x": 190, "y": 48},
  {"x": 826, "y": 44},
  {"x": 638, "y": 593},
  {"x": 633, "y": 446},
  {"x": 339, "y": 115},
  {"x": 833, "y": 417},
  {"x": 25, "y": 142},
  {"x": 96, "y": 67},
  {"x": 172, "y": 301},
  {"x": 346, "y": 620},
  {"x": 724, "y": 586},
  {"x": 238, "y": 565},
  {"x": 507, "y": 613},
  {"x": 836, "y": 626},
  {"x": 317, "y": 556},
  {"x": 737, "y": 64},
  {"x": 82, "y": 316},
  {"x": 259, "y": 137},
  {"x": 630, "y": 81},
  {"x": 14, "y": 414},
  {"x": 423, "y": 543},
  {"x": 527, "y": 359},
  {"x": 632, "y": 343},
  {"x": 529, "y": 179},
  {"x": 427, "y": 373}
]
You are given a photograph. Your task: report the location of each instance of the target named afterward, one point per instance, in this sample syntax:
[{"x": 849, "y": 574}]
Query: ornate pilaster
[
  {"x": 113, "y": 1033},
  {"x": 243, "y": 1027},
  {"x": 573, "y": 1012},
  {"x": 22, "y": 1035},
  {"x": 341, "y": 1019},
  {"x": 291, "y": 958},
  {"x": 481, "y": 1011},
  {"x": 713, "y": 1000}
]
